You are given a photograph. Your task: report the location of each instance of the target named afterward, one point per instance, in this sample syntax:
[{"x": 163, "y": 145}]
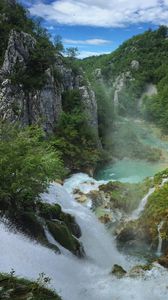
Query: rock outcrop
[
  {"x": 19, "y": 46},
  {"x": 44, "y": 105},
  {"x": 119, "y": 85}
]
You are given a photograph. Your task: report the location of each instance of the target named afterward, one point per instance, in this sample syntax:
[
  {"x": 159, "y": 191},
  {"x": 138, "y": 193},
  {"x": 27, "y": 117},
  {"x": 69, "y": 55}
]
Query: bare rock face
[
  {"x": 119, "y": 84},
  {"x": 41, "y": 106},
  {"x": 19, "y": 46},
  {"x": 135, "y": 65},
  {"x": 90, "y": 104}
]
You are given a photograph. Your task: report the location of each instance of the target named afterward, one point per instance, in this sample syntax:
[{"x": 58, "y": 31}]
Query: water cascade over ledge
[
  {"x": 159, "y": 249},
  {"x": 74, "y": 278}
]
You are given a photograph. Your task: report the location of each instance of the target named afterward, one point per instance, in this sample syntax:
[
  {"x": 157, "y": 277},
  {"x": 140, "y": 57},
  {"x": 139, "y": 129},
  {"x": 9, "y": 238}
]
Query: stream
[
  {"x": 76, "y": 279},
  {"x": 89, "y": 278}
]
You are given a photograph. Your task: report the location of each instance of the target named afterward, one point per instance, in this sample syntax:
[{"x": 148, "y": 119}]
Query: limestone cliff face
[{"x": 42, "y": 106}]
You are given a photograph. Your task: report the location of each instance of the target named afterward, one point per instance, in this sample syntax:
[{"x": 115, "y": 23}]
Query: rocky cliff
[{"x": 42, "y": 105}]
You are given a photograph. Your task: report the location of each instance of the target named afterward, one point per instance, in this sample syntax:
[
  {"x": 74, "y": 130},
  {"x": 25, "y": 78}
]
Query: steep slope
[
  {"x": 136, "y": 75},
  {"x": 38, "y": 85}
]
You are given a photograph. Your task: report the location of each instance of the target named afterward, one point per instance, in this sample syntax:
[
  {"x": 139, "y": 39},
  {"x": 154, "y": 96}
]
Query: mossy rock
[
  {"x": 62, "y": 235},
  {"x": 118, "y": 271},
  {"x": 125, "y": 196},
  {"x": 29, "y": 224},
  {"x": 14, "y": 288},
  {"x": 138, "y": 271},
  {"x": 71, "y": 224},
  {"x": 49, "y": 211}
]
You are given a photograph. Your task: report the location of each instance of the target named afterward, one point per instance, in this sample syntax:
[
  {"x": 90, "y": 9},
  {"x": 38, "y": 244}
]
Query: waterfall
[
  {"x": 159, "y": 249},
  {"x": 74, "y": 278},
  {"x": 137, "y": 212}
]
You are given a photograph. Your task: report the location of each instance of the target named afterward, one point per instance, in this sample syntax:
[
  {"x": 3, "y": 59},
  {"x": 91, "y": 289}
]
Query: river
[
  {"x": 135, "y": 170},
  {"x": 90, "y": 278}
]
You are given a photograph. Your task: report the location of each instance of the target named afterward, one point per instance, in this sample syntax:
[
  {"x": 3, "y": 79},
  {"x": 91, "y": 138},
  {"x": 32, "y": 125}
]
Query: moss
[
  {"x": 160, "y": 176},
  {"x": 18, "y": 288},
  {"x": 156, "y": 211},
  {"x": 71, "y": 224},
  {"x": 49, "y": 211},
  {"x": 126, "y": 196},
  {"x": 62, "y": 235},
  {"x": 118, "y": 271},
  {"x": 29, "y": 224}
]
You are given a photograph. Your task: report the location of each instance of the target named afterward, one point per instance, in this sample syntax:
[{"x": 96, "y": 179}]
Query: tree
[
  {"x": 72, "y": 52},
  {"x": 162, "y": 31},
  {"x": 27, "y": 164},
  {"x": 58, "y": 43}
]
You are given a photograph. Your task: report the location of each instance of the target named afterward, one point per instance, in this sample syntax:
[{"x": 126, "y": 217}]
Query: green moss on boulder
[
  {"x": 63, "y": 235},
  {"x": 118, "y": 271}
]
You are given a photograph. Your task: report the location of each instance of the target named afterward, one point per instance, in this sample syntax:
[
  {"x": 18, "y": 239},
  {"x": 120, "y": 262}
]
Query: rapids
[{"x": 74, "y": 278}]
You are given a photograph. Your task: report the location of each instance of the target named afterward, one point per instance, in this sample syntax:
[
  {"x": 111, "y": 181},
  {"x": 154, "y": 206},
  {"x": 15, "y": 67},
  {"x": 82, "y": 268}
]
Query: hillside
[
  {"x": 39, "y": 86},
  {"x": 136, "y": 76}
]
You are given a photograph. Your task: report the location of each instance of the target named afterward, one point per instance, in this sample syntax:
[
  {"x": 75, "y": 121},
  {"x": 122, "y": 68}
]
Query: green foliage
[
  {"x": 76, "y": 141},
  {"x": 105, "y": 110},
  {"x": 58, "y": 43},
  {"x": 72, "y": 52},
  {"x": 12, "y": 17},
  {"x": 74, "y": 138},
  {"x": 20, "y": 288},
  {"x": 150, "y": 50},
  {"x": 27, "y": 163},
  {"x": 41, "y": 57},
  {"x": 125, "y": 196}
]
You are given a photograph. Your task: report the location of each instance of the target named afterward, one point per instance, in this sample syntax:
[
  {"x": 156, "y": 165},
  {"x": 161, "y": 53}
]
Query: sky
[{"x": 98, "y": 26}]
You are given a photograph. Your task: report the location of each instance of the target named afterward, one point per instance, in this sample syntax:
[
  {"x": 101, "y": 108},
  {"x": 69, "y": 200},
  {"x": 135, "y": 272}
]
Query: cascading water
[
  {"x": 136, "y": 213},
  {"x": 74, "y": 278},
  {"x": 159, "y": 249}
]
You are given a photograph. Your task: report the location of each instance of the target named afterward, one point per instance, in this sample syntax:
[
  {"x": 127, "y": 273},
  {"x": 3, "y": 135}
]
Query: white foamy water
[
  {"x": 77, "y": 279},
  {"x": 137, "y": 212},
  {"x": 83, "y": 182},
  {"x": 159, "y": 249}
]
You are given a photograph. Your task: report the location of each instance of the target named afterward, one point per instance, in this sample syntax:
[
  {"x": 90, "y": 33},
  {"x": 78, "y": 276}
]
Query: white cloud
[
  {"x": 84, "y": 54},
  {"x": 94, "y": 42},
  {"x": 50, "y": 27},
  {"x": 110, "y": 13}
]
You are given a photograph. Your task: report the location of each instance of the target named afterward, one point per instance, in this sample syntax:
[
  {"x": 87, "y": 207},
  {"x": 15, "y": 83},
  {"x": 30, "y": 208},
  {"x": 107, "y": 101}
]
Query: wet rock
[
  {"x": 139, "y": 271},
  {"x": 126, "y": 234},
  {"x": 163, "y": 261},
  {"x": 30, "y": 225},
  {"x": 118, "y": 271},
  {"x": 62, "y": 235},
  {"x": 81, "y": 198},
  {"x": 105, "y": 219}
]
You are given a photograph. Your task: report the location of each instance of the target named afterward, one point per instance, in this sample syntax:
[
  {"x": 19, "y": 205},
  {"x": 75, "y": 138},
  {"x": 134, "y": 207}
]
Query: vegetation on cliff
[
  {"x": 145, "y": 228},
  {"x": 73, "y": 137},
  {"x": 149, "y": 51}
]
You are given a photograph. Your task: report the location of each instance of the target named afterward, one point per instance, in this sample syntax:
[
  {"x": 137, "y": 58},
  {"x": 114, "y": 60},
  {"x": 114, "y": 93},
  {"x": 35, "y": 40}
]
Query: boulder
[
  {"x": 118, "y": 271},
  {"x": 163, "y": 261},
  {"x": 62, "y": 235},
  {"x": 105, "y": 219}
]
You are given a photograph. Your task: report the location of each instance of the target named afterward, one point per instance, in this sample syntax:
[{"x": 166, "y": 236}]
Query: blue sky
[{"x": 98, "y": 26}]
